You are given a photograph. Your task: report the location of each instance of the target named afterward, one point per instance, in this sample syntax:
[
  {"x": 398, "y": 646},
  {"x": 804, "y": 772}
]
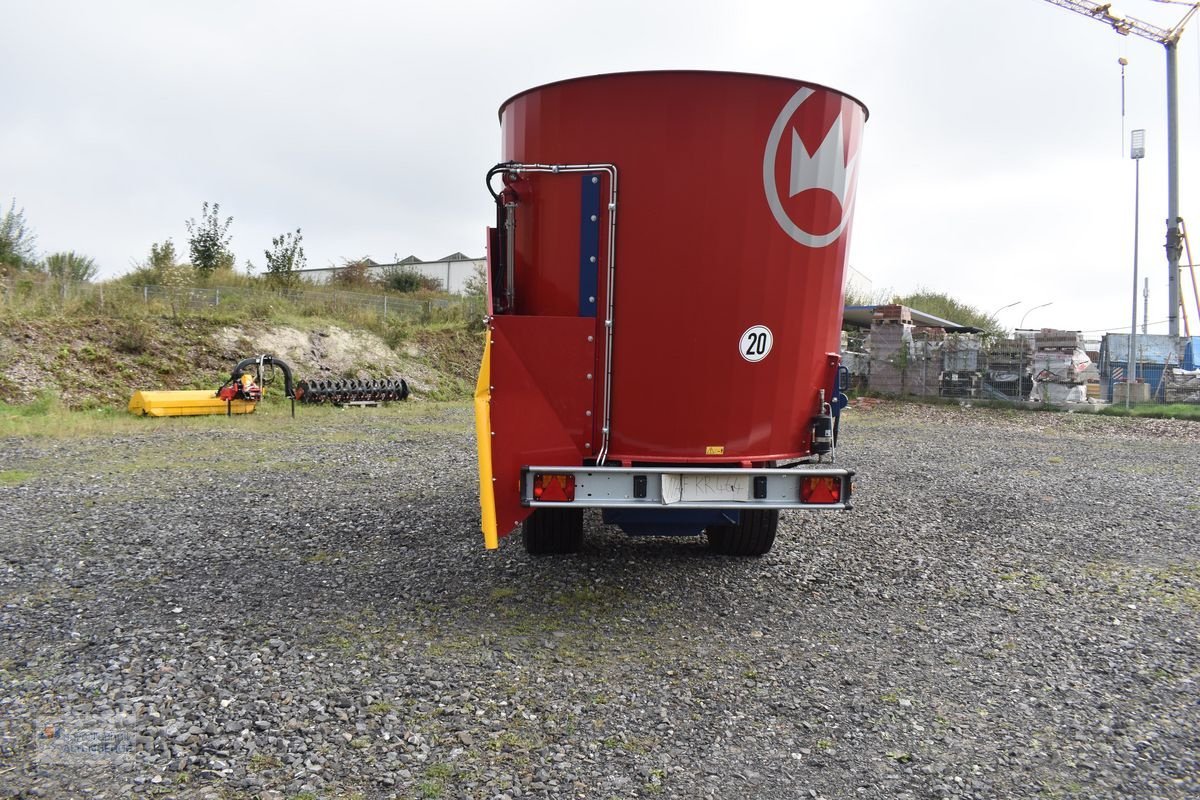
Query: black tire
[
  {"x": 550, "y": 531},
  {"x": 753, "y": 535}
]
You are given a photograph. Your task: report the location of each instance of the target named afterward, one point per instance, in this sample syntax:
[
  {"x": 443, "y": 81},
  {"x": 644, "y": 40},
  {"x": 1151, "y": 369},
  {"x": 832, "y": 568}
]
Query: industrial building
[{"x": 452, "y": 271}]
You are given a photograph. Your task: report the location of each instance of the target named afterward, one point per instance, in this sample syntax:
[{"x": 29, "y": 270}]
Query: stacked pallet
[
  {"x": 929, "y": 333},
  {"x": 1060, "y": 357},
  {"x": 1181, "y": 386},
  {"x": 961, "y": 353},
  {"x": 1004, "y": 368},
  {"x": 925, "y": 367},
  {"x": 1059, "y": 368},
  {"x": 890, "y": 346},
  {"x": 961, "y": 384},
  {"x": 1053, "y": 339},
  {"x": 891, "y": 313}
]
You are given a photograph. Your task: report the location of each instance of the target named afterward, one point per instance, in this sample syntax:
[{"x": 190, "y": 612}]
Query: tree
[
  {"x": 70, "y": 266},
  {"x": 943, "y": 305},
  {"x": 177, "y": 279},
  {"x": 208, "y": 241},
  {"x": 17, "y": 241},
  {"x": 406, "y": 279},
  {"x": 476, "y": 285},
  {"x": 162, "y": 256},
  {"x": 285, "y": 257},
  {"x": 152, "y": 269},
  {"x": 354, "y": 274}
]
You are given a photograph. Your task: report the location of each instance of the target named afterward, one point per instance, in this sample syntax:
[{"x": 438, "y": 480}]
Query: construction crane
[{"x": 1169, "y": 39}]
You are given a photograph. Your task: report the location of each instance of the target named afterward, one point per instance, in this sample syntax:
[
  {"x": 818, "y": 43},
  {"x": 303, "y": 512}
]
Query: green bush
[
  {"x": 354, "y": 274},
  {"x": 133, "y": 338},
  {"x": 285, "y": 257},
  {"x": 406, "y": 280},
  {"x": 17, "y": 242},
  {"x": 70, "y": 266},
  {"x": 208, "y": 241}
]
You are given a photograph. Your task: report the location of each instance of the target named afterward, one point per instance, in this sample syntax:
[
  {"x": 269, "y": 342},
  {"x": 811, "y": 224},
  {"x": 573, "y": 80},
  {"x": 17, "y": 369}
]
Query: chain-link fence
[
  {"x": 382, "y": 305},
  {"x": 899, "y": 359},
  {"x": 59, "y": 296}
]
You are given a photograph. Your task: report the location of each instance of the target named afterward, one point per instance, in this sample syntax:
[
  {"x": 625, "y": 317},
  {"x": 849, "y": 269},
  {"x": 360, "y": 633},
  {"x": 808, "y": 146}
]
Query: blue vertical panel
[
  {"x": 1191, "y": 353},
  {"x": 1153, "y": 375},
  {"x": 589, "y": 244}
]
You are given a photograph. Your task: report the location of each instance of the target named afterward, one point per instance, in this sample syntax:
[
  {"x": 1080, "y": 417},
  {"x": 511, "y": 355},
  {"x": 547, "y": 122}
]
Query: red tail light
[
  {"x": 820, "y": 490},
  {"x": 553, "y": 488}
]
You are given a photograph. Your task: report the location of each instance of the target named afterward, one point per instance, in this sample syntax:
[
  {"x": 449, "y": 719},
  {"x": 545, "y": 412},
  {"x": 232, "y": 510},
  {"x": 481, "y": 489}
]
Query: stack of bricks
[
  {"x": 1058, "y": 366},
  {"x": 1058, "y": 356},
  {"x": 891, "y": 349},
  {"x": 929, "y": 333},
  {"x": 1051, "y": 339},
  {"x": 892, "y": 313}
]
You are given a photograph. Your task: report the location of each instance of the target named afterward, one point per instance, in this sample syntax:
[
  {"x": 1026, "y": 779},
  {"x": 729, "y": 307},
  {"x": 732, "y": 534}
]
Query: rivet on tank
[{"x": 665, "y": 279}]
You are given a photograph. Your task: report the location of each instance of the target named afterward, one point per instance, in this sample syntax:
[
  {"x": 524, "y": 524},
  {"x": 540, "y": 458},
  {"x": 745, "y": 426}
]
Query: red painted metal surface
[
  {"x": 541, "y": 398},
  {"x": 734, "y": 211}
]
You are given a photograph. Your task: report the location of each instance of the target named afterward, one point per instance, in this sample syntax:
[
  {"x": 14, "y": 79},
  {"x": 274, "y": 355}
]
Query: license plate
[{"x": 705, "y": 488}]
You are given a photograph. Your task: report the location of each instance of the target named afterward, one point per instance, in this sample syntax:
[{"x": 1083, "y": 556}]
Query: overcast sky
[{"x": 993, "y": 168}]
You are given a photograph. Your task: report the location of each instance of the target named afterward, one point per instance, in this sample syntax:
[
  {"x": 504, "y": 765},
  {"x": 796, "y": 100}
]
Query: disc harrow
[{"x": 349, "y": 390}]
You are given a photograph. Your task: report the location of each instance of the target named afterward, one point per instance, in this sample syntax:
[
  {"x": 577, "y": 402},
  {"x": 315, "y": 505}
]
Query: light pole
[
  {"x": 1137, "y": 151},
  {"x": 1030, "y": 311},
  {"x": 1020, "y": 327},
  {"x": 1169, "y": 39},
  {"x": 992, "y": 316},
  {"x": 1174, "y": 244}
]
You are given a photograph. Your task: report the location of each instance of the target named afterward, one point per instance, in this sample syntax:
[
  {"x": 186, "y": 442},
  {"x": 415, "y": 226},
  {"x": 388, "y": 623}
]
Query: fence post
[
  {"x": 217, "y": 302},
  {"x": 102, "y": 297},
  {"x": 385, "y": 308},
  {"x": 146, "y": 295},
  {"x": 925, "y": 369}
]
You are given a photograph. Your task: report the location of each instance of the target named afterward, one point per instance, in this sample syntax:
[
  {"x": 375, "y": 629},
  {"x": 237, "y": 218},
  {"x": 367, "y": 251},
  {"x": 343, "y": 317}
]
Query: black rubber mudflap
[
  {"x": 753, "y": 535},
  {"x": 549, "y": 531}
]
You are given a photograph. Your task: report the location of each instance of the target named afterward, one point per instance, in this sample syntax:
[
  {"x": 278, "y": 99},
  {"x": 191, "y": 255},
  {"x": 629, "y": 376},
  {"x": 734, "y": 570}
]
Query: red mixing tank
[{"x": 665, "y": 299}]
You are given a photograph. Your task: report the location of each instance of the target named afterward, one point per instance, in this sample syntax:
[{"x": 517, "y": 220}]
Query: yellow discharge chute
[{"x": 483, "y": 440}]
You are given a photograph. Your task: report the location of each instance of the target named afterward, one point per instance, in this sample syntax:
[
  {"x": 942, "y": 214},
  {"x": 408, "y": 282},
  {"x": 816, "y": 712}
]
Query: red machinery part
[{"x": 732, "y": 226}]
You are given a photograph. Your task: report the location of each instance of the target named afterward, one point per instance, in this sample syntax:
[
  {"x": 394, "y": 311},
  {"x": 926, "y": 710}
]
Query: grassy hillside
[{"x": 91, "y": 348}]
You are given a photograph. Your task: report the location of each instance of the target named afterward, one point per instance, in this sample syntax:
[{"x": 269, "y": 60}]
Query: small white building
[{"x": 452, "y": 272}]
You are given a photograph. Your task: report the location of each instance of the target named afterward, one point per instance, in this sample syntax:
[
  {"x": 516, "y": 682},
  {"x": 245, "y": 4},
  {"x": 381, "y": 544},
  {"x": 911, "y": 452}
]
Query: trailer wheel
[
  {"x": 753, "y": 535},
  {"x": 548, "y": 531}
]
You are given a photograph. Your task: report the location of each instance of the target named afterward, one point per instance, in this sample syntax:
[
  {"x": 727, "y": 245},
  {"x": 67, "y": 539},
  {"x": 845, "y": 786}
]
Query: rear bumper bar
[{"x": 688, "y": 487}]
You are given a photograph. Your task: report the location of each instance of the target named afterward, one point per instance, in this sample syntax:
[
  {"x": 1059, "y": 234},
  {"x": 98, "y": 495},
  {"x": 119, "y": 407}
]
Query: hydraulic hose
[{"x": 240, "y": 368}]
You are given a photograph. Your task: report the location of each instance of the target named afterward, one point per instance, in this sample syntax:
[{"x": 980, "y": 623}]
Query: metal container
[
  {"x": 735, "y": 203},
  {"x": 1150, "y": 375},
  {"x": 677, "y": 243}
]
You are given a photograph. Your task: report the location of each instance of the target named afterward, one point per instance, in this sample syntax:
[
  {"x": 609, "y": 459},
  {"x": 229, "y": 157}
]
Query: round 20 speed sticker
[{"x": 756, "y": 343}]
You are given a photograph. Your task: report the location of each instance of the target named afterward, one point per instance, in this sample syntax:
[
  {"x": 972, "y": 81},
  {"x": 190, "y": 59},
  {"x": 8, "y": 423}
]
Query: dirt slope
[{"x": 101, "y": 361}]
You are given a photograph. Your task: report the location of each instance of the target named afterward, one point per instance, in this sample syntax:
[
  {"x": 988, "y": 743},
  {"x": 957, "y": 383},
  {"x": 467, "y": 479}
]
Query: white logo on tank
[{"x": 826, "y": 168}]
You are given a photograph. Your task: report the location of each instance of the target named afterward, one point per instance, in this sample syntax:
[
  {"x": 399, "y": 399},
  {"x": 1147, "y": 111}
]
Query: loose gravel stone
[{"x": 1012, "y": 609}]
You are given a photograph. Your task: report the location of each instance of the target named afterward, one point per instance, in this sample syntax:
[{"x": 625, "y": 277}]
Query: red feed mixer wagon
[{"x": 665, "y": 284}]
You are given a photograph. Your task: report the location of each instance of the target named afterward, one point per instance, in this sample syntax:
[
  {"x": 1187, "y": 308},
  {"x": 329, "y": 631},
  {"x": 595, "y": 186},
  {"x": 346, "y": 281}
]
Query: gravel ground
[{"x": 268, "y": 609}]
